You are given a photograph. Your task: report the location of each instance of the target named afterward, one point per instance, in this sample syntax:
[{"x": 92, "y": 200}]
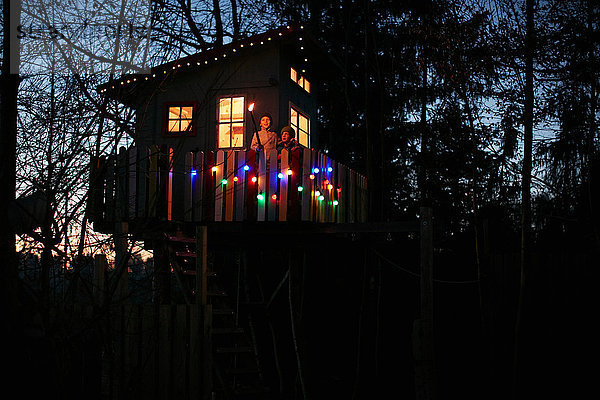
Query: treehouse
[
  {"x": 195, "y": 118},
  {"x": 215, "y": 211}
]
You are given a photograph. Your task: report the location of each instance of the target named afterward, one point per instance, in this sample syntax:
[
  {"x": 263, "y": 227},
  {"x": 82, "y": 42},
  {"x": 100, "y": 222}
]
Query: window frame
[
  {"x": 300, "y": 79},
  {"x": 193, "y": 120},
  {"x": 296, "y": 125},
  {"x": 218, "y": 122}
]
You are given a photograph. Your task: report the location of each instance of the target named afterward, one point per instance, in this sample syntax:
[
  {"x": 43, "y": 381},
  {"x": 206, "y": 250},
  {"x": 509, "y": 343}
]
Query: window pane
[
  {"x": 307, "y": 86},
  {"x": 301, "y": 81},
  {"x": 224, "y": 135},
  {"x": 224, "y": 109},
  {"x": 238, "y": 135},
  {"x": 294, "y": 115},
  {"x": 303, "y": 139},
  {"x": 185, "y": 125},
  {"x": 174, "y": 126},
  {"x": 186, "y": 112},
  {"x": 303, "y": 122},
  {"x": 238, "y": 109},
  {"x": 174, "y": 112},
  {"x": 293, "y": 74}
]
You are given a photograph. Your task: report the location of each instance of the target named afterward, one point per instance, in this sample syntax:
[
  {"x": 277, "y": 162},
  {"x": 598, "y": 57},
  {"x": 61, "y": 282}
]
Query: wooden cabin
[
  {"x": 192, "y": 161},
  {"x": 215, "y": 211}
]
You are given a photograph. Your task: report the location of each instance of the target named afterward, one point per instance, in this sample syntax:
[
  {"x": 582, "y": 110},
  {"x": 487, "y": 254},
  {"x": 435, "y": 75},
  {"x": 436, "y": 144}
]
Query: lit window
[
  {"x": 300, "y": 80},
  {"x": 180, "y": 119},
  {"x": 231, "y": 122},
  {"x": 301, "y": 124}
]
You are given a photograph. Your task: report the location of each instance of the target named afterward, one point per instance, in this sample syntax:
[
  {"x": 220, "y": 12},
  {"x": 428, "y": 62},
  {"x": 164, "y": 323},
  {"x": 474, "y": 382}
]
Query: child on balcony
[{"x": 267, "y": 139}]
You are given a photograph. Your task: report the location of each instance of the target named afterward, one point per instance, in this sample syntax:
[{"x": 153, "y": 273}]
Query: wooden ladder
[{"x": 235, "y": 360}]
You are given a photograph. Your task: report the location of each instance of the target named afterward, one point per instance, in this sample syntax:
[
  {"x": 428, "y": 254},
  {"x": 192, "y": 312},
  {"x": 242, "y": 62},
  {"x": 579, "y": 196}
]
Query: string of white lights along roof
[{"x": 124, "y": 82}]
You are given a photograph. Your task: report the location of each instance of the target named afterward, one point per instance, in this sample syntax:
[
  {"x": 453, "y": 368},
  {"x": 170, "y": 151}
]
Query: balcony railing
[{"x": 142, "y": 184}]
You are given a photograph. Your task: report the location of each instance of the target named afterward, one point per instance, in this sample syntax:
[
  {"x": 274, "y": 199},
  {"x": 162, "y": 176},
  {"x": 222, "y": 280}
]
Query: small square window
[{"x": 180, "y": 119}]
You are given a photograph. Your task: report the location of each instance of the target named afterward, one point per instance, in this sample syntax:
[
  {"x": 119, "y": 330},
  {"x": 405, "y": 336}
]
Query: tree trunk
[{"x": 525, "y": 193}]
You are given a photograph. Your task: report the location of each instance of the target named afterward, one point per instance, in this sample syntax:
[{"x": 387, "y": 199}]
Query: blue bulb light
[
  {"x": 246, "y": 168},
  {"x": 193, "y": 172},
  {"x": 316, "y": 170}
]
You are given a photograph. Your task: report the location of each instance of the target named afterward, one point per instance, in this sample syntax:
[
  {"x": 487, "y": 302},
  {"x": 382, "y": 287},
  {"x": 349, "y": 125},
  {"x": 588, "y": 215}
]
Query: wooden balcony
[{"x": 150, "y": 186}]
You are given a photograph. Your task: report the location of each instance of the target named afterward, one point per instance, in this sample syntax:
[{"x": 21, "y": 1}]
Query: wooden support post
[
  {"x": 201, "y": 264},
  {"x": 207, "y": 353},
  {"x": 423, "y": 350}
]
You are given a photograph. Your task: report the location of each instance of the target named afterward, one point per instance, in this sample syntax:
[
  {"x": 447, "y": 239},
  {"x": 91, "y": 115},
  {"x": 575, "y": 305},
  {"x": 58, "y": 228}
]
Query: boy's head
[
  {"x": 265, "y": 120},
  {"x": 287, "y": 134}
]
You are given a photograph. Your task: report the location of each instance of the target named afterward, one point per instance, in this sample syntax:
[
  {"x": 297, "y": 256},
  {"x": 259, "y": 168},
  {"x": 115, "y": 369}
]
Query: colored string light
[
  {"x": 235, "y": 179},
  {"x": 254, "y": 179},
  {"x": 316, "y": 170},
  {"x": 274, "y": 197},
  {"x": 193, "y": 172},
  {"x": 321, "y": 198},
  {"x": 335, "y": 203},
  {"x": 330, "y": 186},
  {"x": 312, "y": 176},
  {"x": 260, "y": 196},
  {"x": 280, "y": 175},
  {"x": 329, "y": 169},
  {"x": 300, "y": 188},
  {"x": 224, "y": 182},
  {"x": 246, "y": 167},
  {"x": 214, "y": 169},
  {"x": 289, "y": 171}
]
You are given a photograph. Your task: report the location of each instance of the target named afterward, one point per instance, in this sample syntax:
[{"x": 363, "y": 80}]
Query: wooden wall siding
[{"x": 157, "y": 183}]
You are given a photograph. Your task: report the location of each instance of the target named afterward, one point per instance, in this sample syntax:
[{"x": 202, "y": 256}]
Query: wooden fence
[
  {"x": 156, "y": 182},
  {"x": 147, "y": 352}
]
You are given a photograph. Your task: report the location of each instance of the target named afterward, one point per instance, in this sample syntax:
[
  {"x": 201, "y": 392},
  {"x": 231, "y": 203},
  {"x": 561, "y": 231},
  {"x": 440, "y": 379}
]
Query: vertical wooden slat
[
  {"x": 198, "y": 186},
  {"x": 169, "y": 185},
  {"x": 351, "y": 194},
  {"x": 339, "y": 187},
  {"x": 153, "y": 182},
  {"x": 272, "y": 188},
  {"x": 132, "y": 185},
  {"x": 229, "y": 188},
  {"x": 262, "y": 185},
  {"x": 293, "y": 210},
  {"x": 164, "y": 351},
  {"x": 240, "y": 186},
  {"x": 188, "y": 185},
  {"x": 109, "y": 193},
  {"x": 195, "y": 351},
  {"x": 209, "y": 188},
  {"x": 219, "y": 175},
  {"x": 142, "y": 182},
  {"x": 180, "y": 353},
  {"x": 149, "y": 353},
  {"x": 179, "y": 181},
  {"x": 122, "y": 198},
  {"x": 251, "y": 206},
  {"x": 283, "y": 185},
  {"x": 307, "y": 185}
]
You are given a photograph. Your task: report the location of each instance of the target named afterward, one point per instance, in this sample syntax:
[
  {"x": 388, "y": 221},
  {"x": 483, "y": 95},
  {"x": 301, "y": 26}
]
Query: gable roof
[{"x": 126, "y": 87}]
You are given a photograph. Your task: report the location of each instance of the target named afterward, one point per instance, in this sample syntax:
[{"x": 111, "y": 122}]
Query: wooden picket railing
[{"x": 227, "y": 185}]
